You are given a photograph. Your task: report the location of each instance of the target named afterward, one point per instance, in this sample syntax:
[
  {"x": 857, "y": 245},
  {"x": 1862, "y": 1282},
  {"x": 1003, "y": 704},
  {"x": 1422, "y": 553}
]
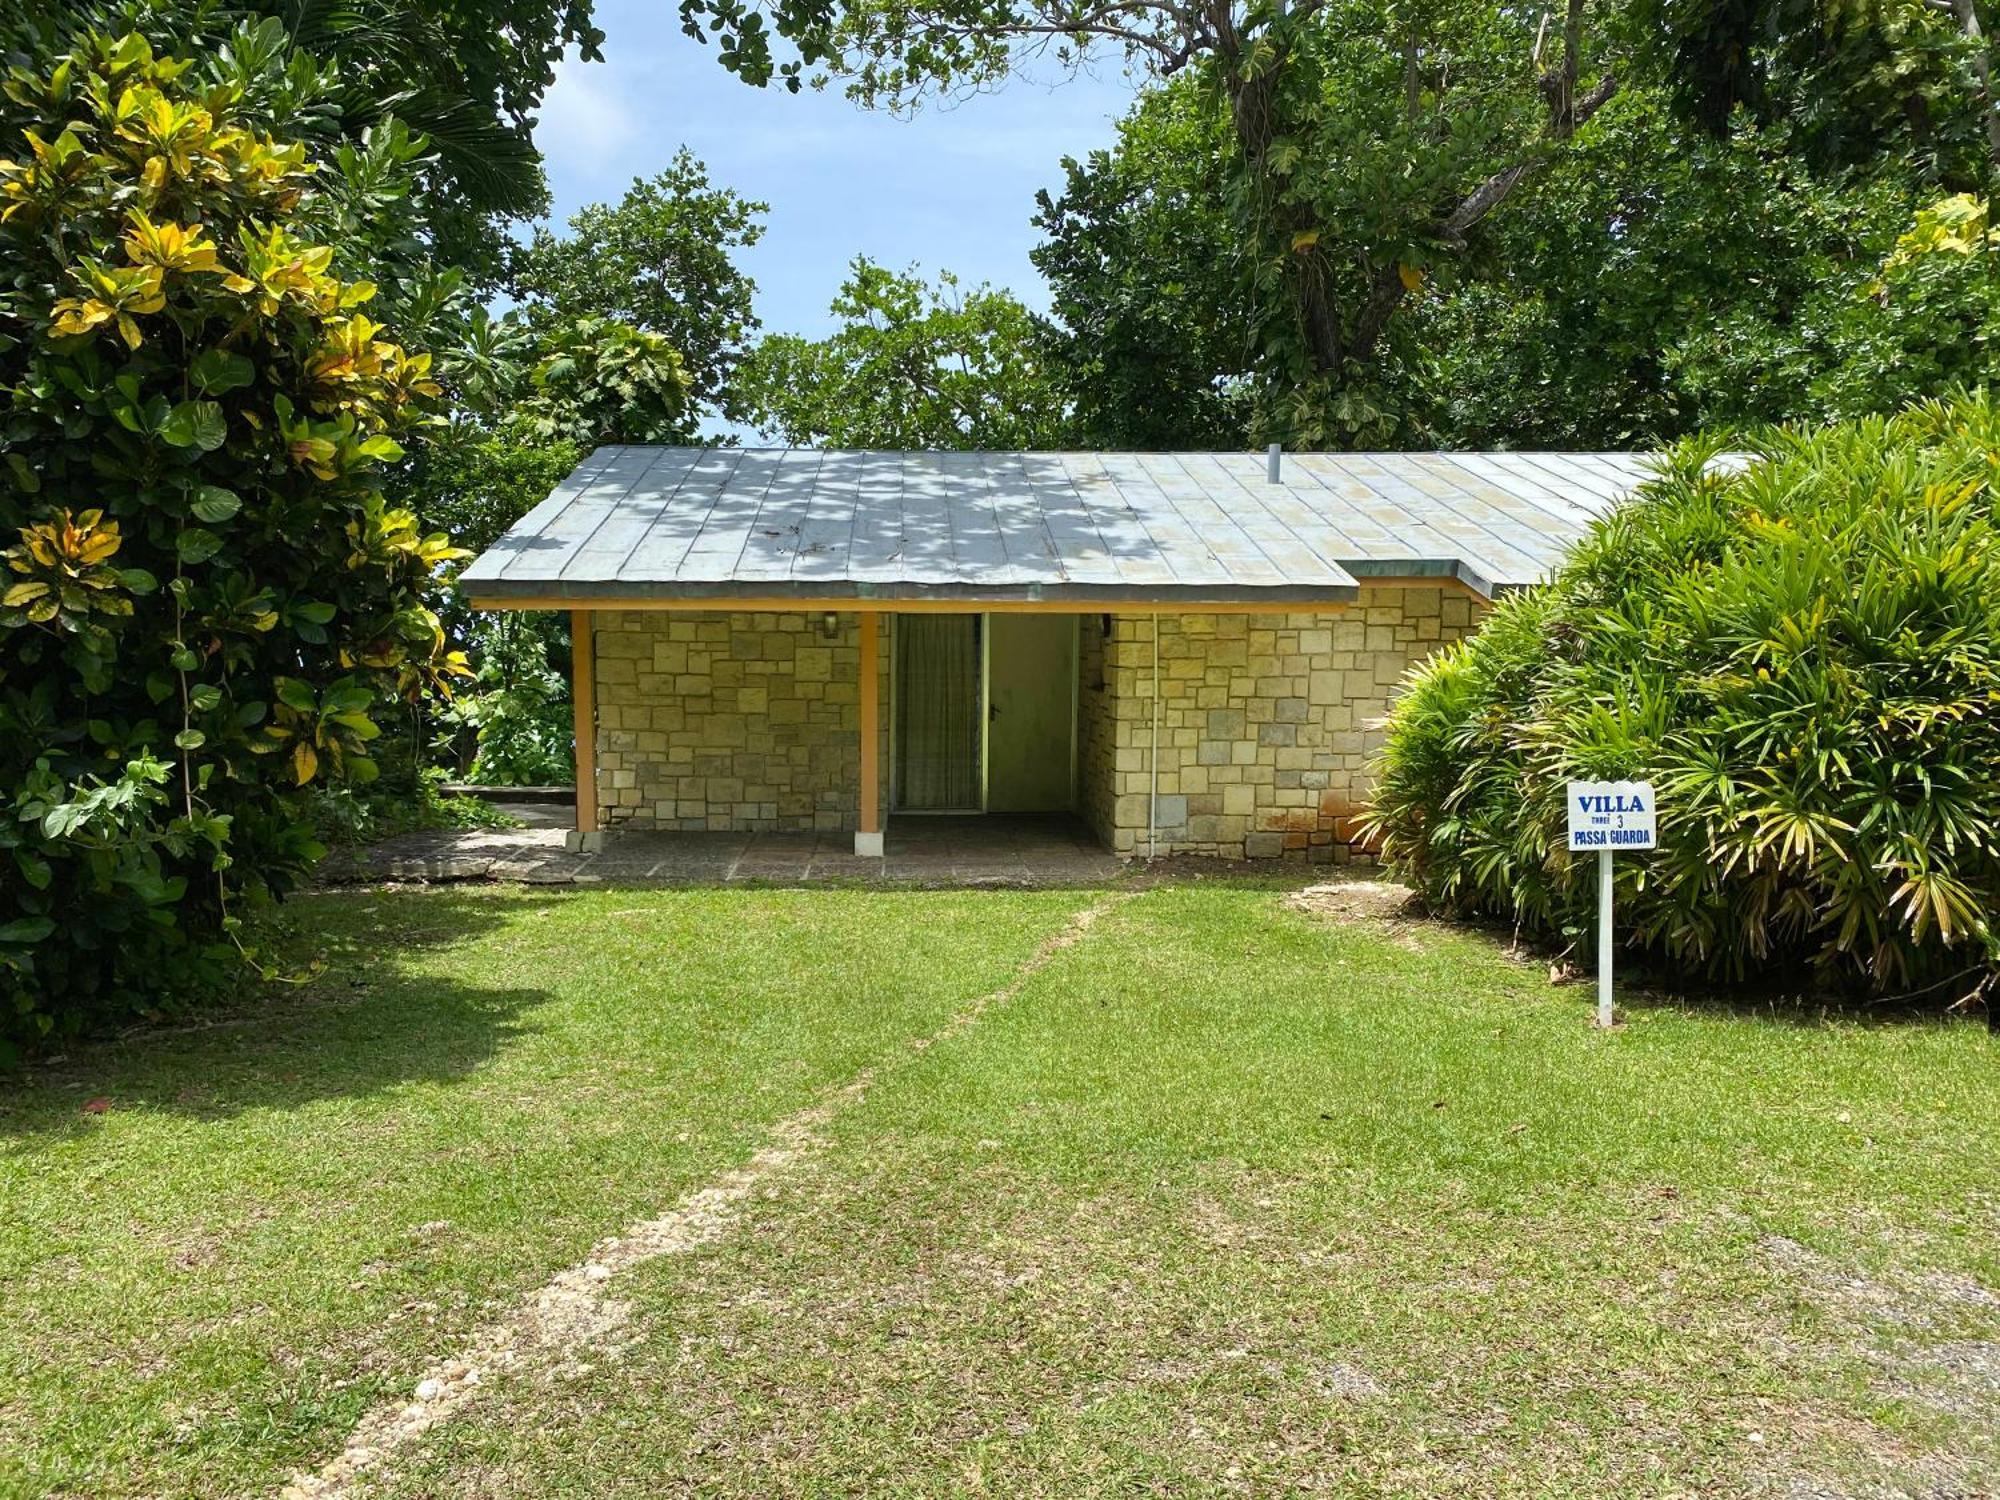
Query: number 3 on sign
[{"x": 1606, "y": 816}]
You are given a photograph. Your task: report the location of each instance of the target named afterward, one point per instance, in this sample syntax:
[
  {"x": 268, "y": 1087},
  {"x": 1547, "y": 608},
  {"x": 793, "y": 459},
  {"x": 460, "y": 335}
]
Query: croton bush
[
  {"x": 206, "y": 598},
  {"x": 1803, "y": 654}
]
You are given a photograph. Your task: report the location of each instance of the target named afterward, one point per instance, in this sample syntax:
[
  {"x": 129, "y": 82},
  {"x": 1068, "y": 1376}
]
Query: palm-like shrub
[{"x": 1804, "y": 655}]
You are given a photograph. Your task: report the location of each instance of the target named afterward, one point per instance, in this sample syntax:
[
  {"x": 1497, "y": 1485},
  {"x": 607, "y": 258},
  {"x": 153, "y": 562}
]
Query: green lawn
[{"x": 1226, "y": 1197}]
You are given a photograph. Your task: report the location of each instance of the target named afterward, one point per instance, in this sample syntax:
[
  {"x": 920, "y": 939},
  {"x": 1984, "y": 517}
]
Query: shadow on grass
[
  {"x": 362, "y": 1025},
  {"x": 1795, "y": 998},
  {"x": 1792, "y": 1001}
]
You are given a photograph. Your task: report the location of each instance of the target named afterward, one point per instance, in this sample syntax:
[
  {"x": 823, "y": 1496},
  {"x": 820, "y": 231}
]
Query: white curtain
[{"x": 937, "y": 712}]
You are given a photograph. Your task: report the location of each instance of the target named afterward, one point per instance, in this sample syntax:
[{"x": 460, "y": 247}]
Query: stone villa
[{"x": 1188, "y": 652}]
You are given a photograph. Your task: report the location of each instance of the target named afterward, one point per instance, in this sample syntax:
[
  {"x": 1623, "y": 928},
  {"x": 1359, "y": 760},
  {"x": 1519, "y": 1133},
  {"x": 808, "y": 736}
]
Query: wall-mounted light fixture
[{"x": 829, "y": 624}]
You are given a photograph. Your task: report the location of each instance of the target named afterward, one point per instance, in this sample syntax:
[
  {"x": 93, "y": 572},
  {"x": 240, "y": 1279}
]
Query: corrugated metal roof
[{"x": 812, "y": 524}]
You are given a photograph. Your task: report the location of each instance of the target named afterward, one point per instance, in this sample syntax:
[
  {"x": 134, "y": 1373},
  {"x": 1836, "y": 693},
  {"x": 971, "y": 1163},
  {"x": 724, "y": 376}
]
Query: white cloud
[{"x": 586, "y": 121}]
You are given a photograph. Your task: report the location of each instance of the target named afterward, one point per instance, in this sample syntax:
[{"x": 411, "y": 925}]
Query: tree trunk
[
  {"x": 1332, "y": 341},
  {"x": 1306, "y": 282}
]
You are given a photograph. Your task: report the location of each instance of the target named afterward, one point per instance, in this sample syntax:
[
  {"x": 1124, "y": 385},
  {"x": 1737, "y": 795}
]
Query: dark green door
[{"x": 1031, "y": 713}]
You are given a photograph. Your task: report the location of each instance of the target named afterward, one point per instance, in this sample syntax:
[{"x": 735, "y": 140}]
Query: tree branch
[{"x": 1567, "y": 115}]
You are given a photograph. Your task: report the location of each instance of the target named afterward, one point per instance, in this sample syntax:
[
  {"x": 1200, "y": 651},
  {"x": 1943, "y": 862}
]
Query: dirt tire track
[{"x": 571, "y": 1311}]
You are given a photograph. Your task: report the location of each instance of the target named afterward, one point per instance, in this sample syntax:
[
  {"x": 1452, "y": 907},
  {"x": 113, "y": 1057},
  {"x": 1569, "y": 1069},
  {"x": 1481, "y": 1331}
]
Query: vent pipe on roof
[{"x": 1273, "y": 457}]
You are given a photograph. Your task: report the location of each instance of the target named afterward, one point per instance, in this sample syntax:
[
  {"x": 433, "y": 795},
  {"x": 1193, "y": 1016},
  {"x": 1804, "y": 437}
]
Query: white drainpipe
[{"x": 1153, "y": 756}]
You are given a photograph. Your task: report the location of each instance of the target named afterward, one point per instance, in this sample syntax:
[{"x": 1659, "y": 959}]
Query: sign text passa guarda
[
  {"x": 1597, "y": 807},
  {"x": 1605, "y": 815},
  {"x": 1611, "y": 838}
]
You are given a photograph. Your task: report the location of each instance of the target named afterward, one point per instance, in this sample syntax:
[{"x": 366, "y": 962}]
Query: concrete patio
[{"x": 934, "y": 851}]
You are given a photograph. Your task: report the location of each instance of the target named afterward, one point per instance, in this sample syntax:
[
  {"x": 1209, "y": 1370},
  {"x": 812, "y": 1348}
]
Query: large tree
[
  {"x": 1154, "y": 340},
  {"x": 1382, "y": 152},
  {"x": 1372, "y": 138},
  {"x": 1853, "y": 82},
  {"x": 1653, "y": 277},
  {"x": 1658, "y": 282},
  {"x": 911, "y": 366},
  {"x": 663, "y": 259}
]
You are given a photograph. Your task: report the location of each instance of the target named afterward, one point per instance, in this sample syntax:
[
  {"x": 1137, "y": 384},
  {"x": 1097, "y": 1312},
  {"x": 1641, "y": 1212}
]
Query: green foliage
[
  {"x": 1369, "y": 141},
  {"x": 474, "y": 482},
  {"x": 532, "y": 397},
  {"x": 469, "y": 76},
  {"x": 1655, "y": 282},
  {"x": 531, "y": 404},
  {"x": 516, "y": 720},
  {"x": 1926, "y": 321},
  {"x": 661, "y": 259},
  {"x": 209, "y": 599},
  {"x": 362, "y": 79},
  {"x": 1804, "y": 657},
  {"x": 1373, "y": 144},
  {"x": 1855, "y": 80},
  {"x": 1378, "y": 161},
  {"x": 345, "y": 816},
  {"x": 1153, "y": 343},
  {"x": 1649, "y": 282},
  {"x": 599, "y": 381},
  {"x": 912, "y": 366}
]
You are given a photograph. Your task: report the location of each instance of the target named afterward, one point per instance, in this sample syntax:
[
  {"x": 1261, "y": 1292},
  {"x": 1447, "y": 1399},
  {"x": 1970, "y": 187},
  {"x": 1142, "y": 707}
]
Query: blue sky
[{"x": 951, "y": 188}]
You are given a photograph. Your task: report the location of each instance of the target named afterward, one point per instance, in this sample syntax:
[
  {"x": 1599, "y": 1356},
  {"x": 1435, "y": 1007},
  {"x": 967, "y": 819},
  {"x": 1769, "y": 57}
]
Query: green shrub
[
  {"x": 345, "y": 816},
  {"x": 1804, "y": 656},
  {"x": 514, "y": 726},
  {"x": 208, "y": 602}
]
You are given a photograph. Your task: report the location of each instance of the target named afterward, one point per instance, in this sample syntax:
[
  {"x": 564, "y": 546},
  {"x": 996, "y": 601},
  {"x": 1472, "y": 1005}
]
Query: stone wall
[
  {"x": 730, "y": 721},
  {"x": 752, "y": 721},
  {"x": 1267, "y": 722},
  {"x": 1096, "y": 732}
]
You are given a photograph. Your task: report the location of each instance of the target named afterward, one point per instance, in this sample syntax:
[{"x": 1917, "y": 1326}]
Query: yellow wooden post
[
  {"x": 868, "y": 833},
  {"x": 583, "y": 690}
]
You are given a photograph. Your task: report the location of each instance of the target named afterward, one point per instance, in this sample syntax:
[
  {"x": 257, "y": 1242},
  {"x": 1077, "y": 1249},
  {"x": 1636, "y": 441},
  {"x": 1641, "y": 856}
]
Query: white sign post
[{"x": 1607, "y": 816}]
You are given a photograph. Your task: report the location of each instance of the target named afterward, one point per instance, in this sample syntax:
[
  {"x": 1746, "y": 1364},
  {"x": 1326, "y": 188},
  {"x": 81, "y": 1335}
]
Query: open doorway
[{"x": 983, "y": 711}]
